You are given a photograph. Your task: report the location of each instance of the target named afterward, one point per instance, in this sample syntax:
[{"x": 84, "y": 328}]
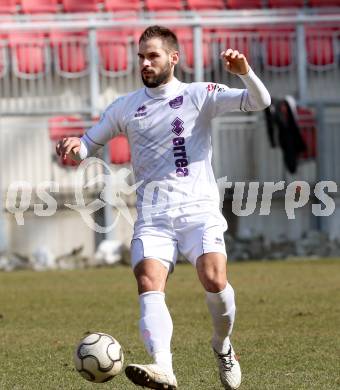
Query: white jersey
[{"x": 169, "y": 131}]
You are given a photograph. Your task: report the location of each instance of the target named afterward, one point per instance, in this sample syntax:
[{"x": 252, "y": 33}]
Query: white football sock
[
  {"x": 156, "y": 327},
  {"x": 222, "y": 309}
]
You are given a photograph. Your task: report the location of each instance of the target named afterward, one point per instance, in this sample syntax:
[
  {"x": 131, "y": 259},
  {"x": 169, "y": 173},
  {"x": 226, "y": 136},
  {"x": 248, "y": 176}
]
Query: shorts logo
[
  {"x": 177, "y": 126},
  {"x": 177, "y": 102},
  {"x": 218, "y": 240}
]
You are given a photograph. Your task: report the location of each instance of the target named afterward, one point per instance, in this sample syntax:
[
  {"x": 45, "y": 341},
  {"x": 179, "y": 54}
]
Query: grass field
[{"x": 287, "y": 332}]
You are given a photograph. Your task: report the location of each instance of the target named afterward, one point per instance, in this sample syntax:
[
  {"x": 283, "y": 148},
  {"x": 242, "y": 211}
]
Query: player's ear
[{"x": 174, "y": 57}]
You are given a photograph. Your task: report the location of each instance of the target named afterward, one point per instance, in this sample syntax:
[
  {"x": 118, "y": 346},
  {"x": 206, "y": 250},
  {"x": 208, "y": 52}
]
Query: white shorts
[{"x": 191, "y": 235}]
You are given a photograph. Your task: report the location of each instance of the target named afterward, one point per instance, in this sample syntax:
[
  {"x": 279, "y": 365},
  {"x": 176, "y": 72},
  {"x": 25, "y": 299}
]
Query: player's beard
[{"x": 162, "y": 78}]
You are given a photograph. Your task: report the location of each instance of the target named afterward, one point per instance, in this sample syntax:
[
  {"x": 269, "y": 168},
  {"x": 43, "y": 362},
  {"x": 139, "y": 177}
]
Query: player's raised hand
[
  {"x": 68, "y": 146},
  {"x": 234, "y": 62}
]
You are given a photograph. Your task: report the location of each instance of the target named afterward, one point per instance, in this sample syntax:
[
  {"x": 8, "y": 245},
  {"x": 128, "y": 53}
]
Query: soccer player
[{"x": 168, "y": 126}]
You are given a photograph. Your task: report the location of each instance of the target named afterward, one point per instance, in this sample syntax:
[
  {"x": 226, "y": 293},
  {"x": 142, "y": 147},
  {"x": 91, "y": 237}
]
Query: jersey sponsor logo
[
  {"x": 140, "y": 111},
  {"x": 177, "y": 127},
  {"x": 177, "y": 102},
  {"x": 213, "y": 87},
  {"x": 180, "y": 154}
]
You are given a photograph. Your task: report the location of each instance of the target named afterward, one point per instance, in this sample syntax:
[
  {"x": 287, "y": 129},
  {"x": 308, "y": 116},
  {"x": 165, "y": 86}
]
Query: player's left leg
[{"x": 211, "y": 270}]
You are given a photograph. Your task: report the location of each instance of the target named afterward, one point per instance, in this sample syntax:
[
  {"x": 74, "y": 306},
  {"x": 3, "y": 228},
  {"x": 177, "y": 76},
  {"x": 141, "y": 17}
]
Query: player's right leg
[{"x": 155, "y": 322}]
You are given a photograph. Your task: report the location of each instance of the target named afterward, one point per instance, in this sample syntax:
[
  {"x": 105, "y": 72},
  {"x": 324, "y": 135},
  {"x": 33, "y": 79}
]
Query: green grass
[{"x": 287, "y": 332}]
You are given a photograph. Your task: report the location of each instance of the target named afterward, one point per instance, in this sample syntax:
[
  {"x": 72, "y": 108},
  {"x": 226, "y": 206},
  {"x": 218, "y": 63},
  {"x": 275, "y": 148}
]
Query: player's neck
[{"x": 164, "y": 90}]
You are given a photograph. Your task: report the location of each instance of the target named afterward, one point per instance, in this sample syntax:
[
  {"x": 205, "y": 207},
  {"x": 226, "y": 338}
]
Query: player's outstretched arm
[
  {"x": 256, "y": 97},
  {"x": 95, "y": 138}
]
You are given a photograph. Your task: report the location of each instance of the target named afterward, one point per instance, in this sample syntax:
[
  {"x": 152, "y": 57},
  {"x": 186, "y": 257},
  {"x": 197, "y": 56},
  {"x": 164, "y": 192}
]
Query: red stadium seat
[
  {"x": 29, "y": 54},
  {"x": 320, "y": 47},
  {"x": 80, "y": 6},
  {"x": 324, "y": 3},
  {"x": 119, "y": 150},
  {"x": 185, "y": 38},
  {"x": 277, "y": 46},
  {"x": 114, "y": 52},
  {"x": 70, "y": 52},
  {"x": 39, "y": 6},
  {"x": 205, "y": 4},
  {"x": 307, "y": 124},
  {"x": 285, "y": 3},
  {"x": 8, "y": 6},
  {"x": 165, "y": 5},
  {"x": 65, "y": 126},
  {"x": 244, "y": 4},
  {"x": 118, "y": 5}
]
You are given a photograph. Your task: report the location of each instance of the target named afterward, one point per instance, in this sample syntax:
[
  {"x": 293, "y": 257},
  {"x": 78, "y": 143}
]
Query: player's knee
[
  {"x": 215, "y": 286},
  {"x": 214, "y": 281},
  {"x": 146, "y": 283},
  {"x": 150, "y": 275}
]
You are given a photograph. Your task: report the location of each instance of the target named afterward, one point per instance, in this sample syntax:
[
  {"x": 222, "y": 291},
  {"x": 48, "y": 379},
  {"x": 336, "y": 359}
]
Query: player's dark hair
[{"x": 167, "y": 36}]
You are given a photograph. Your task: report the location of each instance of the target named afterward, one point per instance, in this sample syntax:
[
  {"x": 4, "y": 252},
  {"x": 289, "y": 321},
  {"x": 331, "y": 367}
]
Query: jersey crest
[{"x": 177, "y": 102}]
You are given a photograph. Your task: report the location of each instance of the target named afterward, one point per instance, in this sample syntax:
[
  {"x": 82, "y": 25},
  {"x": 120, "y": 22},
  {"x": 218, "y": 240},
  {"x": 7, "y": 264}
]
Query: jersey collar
[{"x": 163, "y": 91}]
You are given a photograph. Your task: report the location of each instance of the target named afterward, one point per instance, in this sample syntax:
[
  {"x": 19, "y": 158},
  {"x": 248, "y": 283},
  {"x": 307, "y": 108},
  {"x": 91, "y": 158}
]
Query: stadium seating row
[
  {"x": 31, "y": 53},
  {"x": 54, "y": 6}
]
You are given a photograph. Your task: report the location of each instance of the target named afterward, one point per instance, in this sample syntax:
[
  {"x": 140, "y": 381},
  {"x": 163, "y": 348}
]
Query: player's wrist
[
  {"x": 246, "y": 71},
  {"x": 246, "y": 74},
  {"x": 83, "y": 151}
]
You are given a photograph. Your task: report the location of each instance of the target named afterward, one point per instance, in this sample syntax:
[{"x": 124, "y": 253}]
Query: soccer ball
[{"x": 98, "y": 357}]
